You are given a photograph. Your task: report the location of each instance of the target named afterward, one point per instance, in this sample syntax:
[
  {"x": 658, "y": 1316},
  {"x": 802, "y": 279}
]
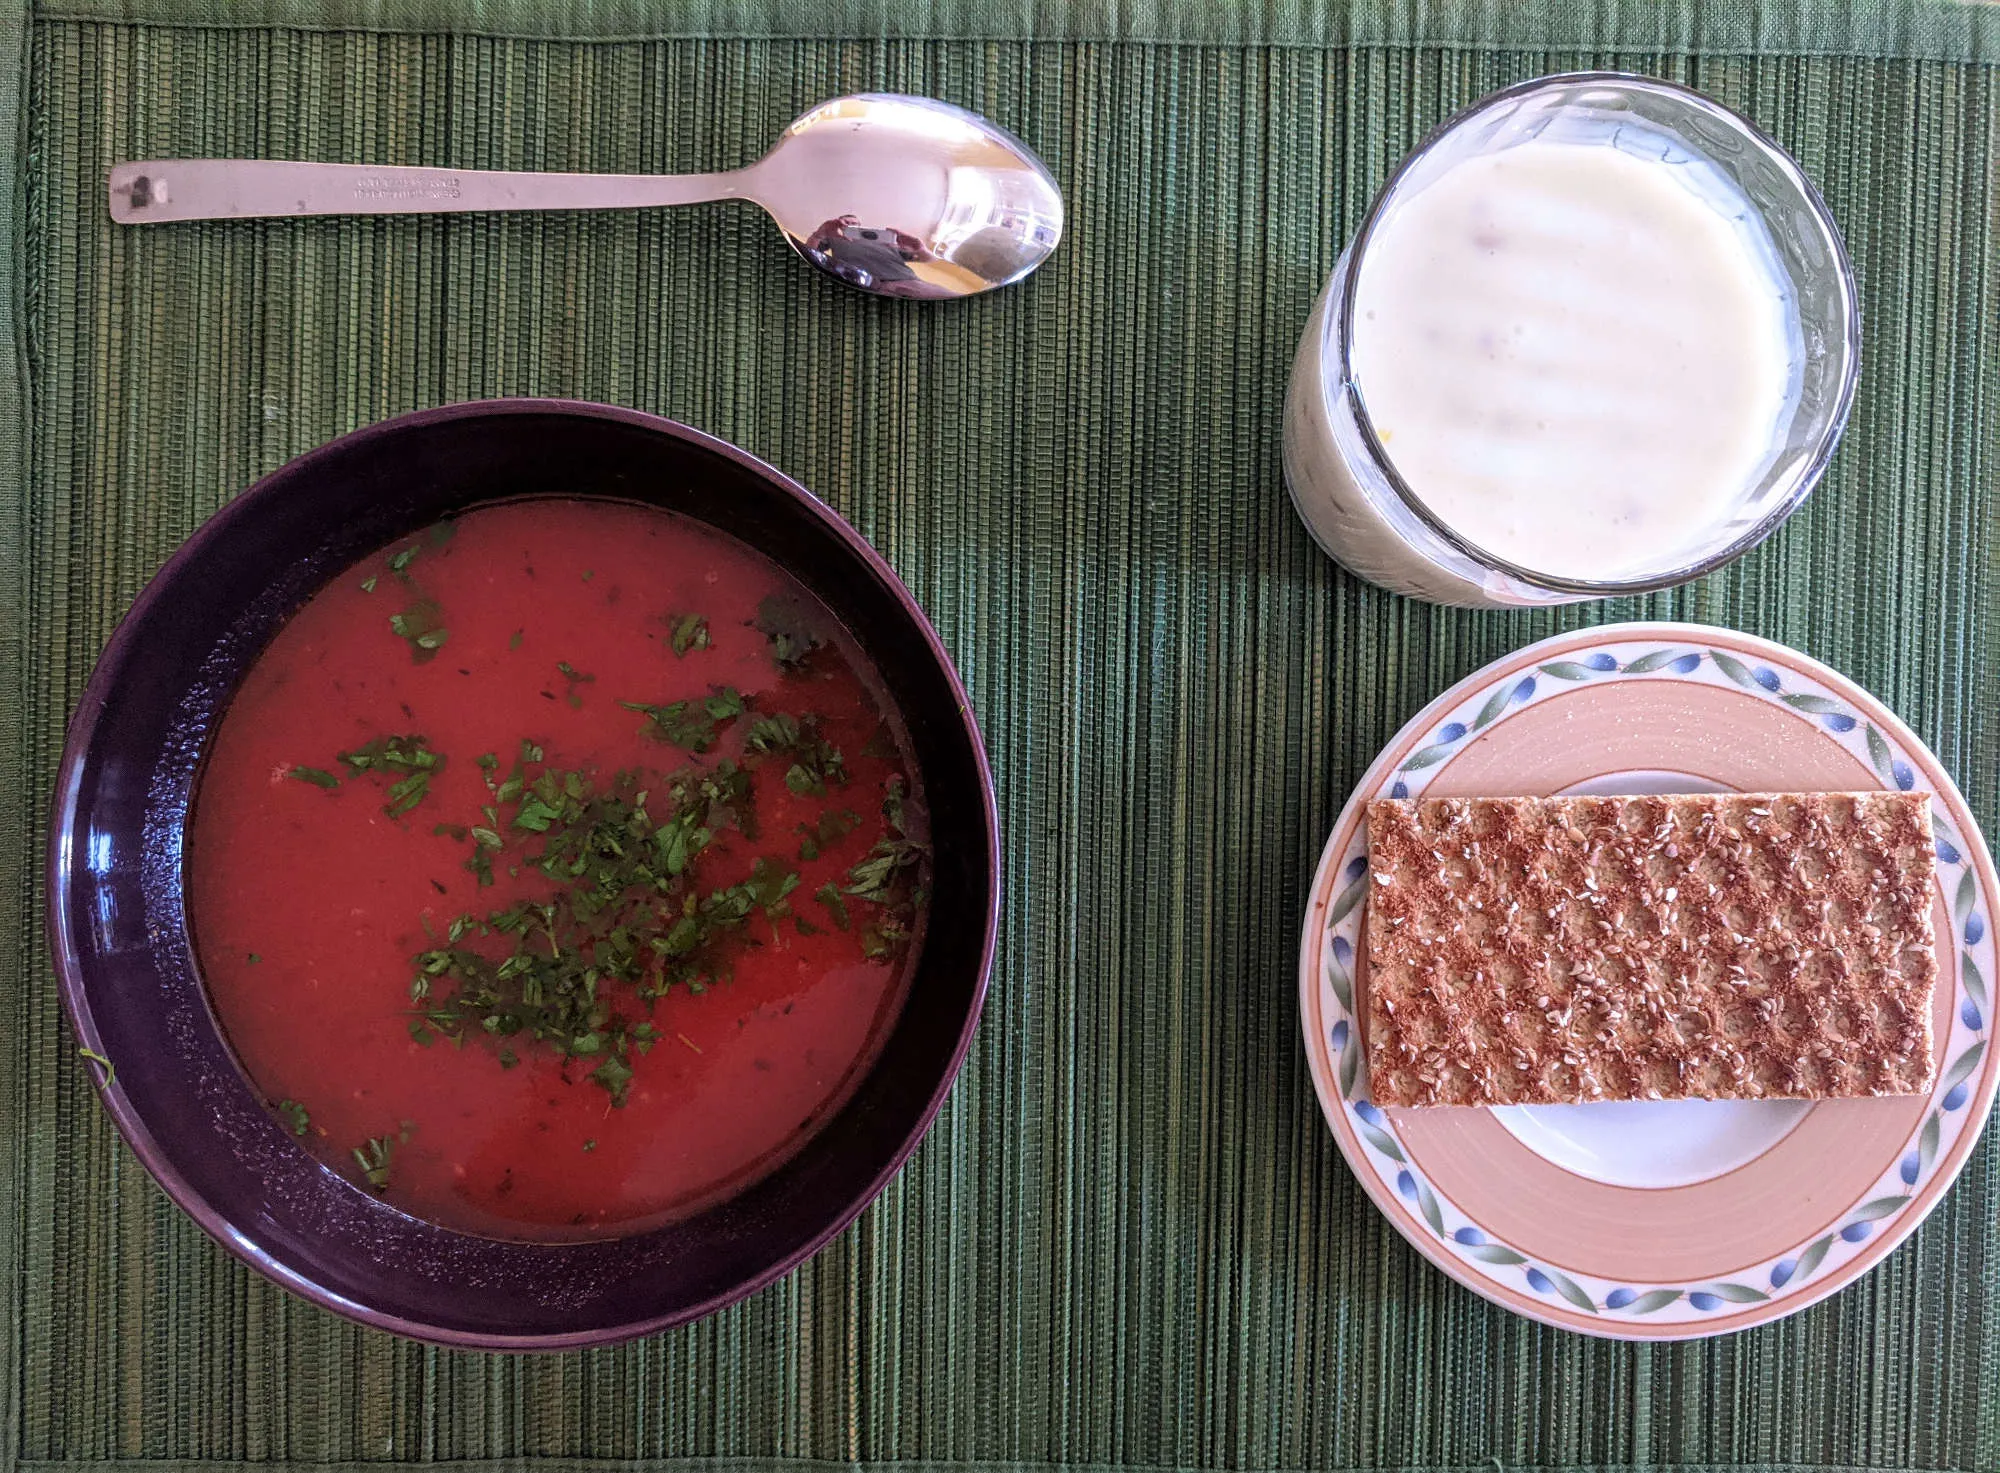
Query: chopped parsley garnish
[
  {"x": 295, "y": 1116},
  {"x": 368, "y": 584},
  {"x": 829, "y": 896},
  {"x": 421, "y": 626},
  {"x": 834, "y": 824},
  {"x": 374, "y": 1156},
  {"x": 626, "y": 921},
  {"x": 889, "y": 876},
  {"x": 408, "y": 757},
  {"x": 816, "y": 762},
  {"x": 690, "y": 633},
  {"x": 691, "y": 725},
  {"x": 574, "y": 677},
  {"x": 791, "y": 630},
  {"x": 514, "y": 640},
  {"x": 319, "y": 777}
]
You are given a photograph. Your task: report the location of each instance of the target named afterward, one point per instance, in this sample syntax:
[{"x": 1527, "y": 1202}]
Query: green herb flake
[
  {"x": 408, "y": 759},
  {"x": 793, "y": 633},
  {"x": 690, "y": 632},
  {"x": 253, "y": 957},
  {"x": 319, "y": 777},
  {"x": 829, "y": 896},
  {"x": 368, "y": 584},
  {"x": 588, "y": 574},
  {"x": 591, "y": 1144},
  {"x": 400, "y": 561},
  {"x": 374, "y": 1157},
  {"x": 110, "y": 1069},
  {"x": 691, "y": 725},
  {"x": 421, "y": 626},
  {"x": 295, "y": 1116},
  {"x": 514, "y": 640}
]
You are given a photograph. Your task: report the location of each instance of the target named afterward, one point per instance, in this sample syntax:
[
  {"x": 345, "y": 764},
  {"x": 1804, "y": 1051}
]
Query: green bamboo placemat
[{"x": 1129, "y": 1241}]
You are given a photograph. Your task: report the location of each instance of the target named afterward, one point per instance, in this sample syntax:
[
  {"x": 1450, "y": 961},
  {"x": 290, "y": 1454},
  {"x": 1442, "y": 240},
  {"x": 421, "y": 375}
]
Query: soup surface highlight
[{"x": 556, "y": 870}]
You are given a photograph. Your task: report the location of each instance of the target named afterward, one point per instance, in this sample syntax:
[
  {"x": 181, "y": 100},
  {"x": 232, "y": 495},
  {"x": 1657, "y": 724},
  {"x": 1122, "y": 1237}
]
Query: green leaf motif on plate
[
  {"x": 1427, "y": 757},
  {"x": 1814, "y": 1255},
  {"x": 1927, "y": 1143},
  {"x": 1975, "y": 980},
  {"x": 1818, "y": 705},
  {"x": 1494, "y": 1253},
  {"x": 1567, "y": 670},
  {"x": 1739, "y": 1293},
  {"x": 1495, "y": 704},
  {"x": 1657, "y": 660},
  {"x": 1654, "y": 1299},
  {"x": 1382, "y": 1141},
  {"x": 1571, "y": 1290},
  {"x": 1962, "y": 1066},
  {"x": 1878, "y": 750},
  {"x": 1734, "y": 668},
  {"x": 1967, "y": 891},
  {"x": 1880, "y": 1207},
  {"x": 1350, "y": 1066},
  {"x": 1346, "y": 901},
  {"x": 1337, "y": 978},
  {"x": 1428, "y": 1203}
]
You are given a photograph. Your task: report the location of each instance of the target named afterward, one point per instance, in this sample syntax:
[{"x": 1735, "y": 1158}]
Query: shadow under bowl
[{"x": 126, "y": 965}]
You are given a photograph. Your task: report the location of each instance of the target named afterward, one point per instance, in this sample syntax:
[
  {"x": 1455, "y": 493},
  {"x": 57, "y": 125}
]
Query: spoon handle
[{"x": 226, "y": 189}]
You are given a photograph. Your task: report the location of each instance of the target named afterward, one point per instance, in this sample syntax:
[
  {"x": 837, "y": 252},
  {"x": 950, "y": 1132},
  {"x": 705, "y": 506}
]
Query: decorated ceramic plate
[{"x": 1669, "y": 1220}]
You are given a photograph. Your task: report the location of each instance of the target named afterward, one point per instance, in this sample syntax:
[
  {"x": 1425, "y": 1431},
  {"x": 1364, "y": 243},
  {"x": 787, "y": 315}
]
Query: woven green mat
[{"x": 1130, "y": 1240}]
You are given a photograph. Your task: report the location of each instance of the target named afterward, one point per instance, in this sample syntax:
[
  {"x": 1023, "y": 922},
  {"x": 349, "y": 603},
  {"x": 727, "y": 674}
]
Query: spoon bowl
[
  {"x": 896, "y": 195},
  {"x": 909, "y": 197}
]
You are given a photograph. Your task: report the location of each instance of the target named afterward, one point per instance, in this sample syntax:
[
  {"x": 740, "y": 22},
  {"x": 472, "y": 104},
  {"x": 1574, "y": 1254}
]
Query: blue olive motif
[
  {"x": 1685, "y": 664},
  {"x": 1407, "y": 1185},
  {"x": 1539, "y": 1281},
  {"x": 1782, "y": 1271},
  {"x": 1854, "y": 1232},
  {"x": 1969, "y": 1014},
  {"x": 1367, "y": 1111},
  {"x": 1343, "y": 951},
  {"x": 1470, "y": 1236},
  {"x": 1954, "y": 1098},
  {"x": 1619, "y": 1298},
  {"x": 1905, "y": 778},
  {"x": 1975, "y": 928},
  {"x": 1704, "y": 1302},
  {"x": 1946, "y": 854},
  {"x": 1522, "y": 691},
  {"x": 1451, "y": 731},
  {"x": 1911, "y": 1165},
  {"x": 1601, "y": 662},
  {"x": 1338, "y": 1038},
  {"x": 1401, "y": 789},
  {"x": 1835, "y": 721},
  {"x": 1356, "y": 868},
  {"x": 1765, "y": 676}
]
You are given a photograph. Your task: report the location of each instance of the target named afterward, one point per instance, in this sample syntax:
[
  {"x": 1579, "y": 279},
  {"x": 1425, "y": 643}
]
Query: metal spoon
[{"x": 901, "y": 196}]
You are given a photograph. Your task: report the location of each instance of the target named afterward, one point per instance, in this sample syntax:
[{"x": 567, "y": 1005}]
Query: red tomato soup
[{"x": 556, "y": 869}]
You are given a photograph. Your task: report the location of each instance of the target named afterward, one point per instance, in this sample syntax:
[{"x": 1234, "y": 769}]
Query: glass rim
[{"x": 1810, "y": 474}]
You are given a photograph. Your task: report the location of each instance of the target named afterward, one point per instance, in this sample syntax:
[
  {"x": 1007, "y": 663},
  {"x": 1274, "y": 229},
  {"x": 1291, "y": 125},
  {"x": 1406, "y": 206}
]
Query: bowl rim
[{"x": 79, "y": 738}]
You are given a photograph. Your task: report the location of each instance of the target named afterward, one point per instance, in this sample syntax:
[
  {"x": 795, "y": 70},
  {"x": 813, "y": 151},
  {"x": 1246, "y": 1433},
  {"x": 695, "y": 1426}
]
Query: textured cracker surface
[{"x": 1738, "y": 946}]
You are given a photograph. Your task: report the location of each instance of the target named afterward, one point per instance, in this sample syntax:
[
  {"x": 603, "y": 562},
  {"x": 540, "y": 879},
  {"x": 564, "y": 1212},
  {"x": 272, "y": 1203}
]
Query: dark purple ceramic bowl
[{"x": 127, "y": 968}]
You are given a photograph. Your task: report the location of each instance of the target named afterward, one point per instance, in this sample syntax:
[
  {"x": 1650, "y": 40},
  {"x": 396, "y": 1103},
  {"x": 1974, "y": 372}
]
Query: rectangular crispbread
[{"x": 1715, "y": 946}]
